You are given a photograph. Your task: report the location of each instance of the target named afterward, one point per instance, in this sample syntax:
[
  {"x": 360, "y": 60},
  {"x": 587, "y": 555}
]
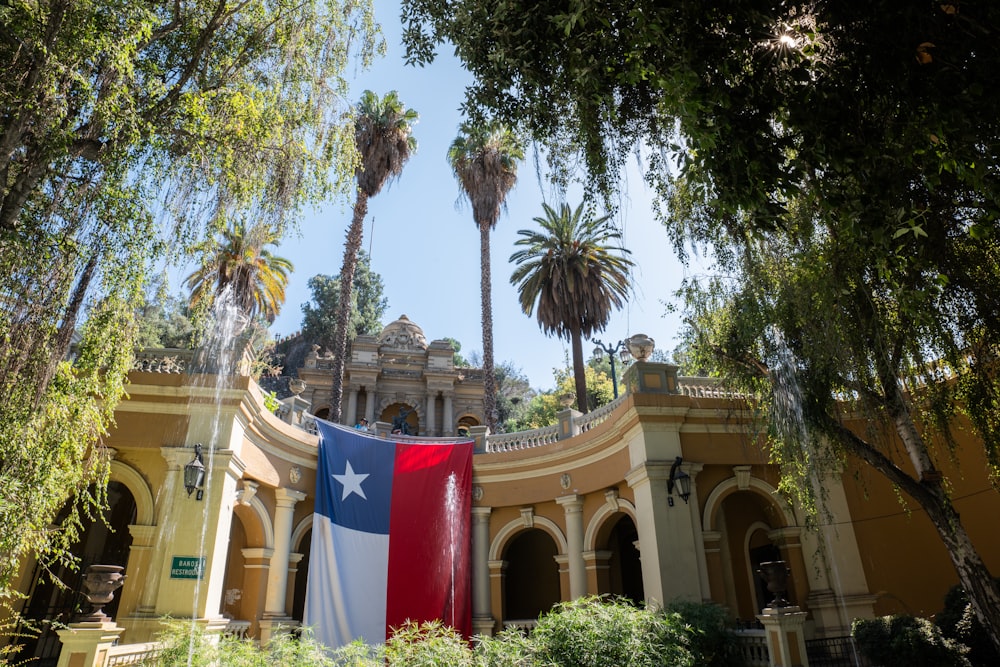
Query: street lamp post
[{"x": 618, "y": 348}]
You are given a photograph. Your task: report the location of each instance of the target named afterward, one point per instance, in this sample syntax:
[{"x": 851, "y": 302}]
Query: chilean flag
[{"x": 391, "y": 536}]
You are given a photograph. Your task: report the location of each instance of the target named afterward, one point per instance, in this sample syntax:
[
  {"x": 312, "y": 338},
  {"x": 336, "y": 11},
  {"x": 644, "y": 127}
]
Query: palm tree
[
  {"x": 574, "y": 275},
  {"x": 383, "y": 133},
  {"x": 239, "y": 259},
  {"x": 484, "y": 160}
]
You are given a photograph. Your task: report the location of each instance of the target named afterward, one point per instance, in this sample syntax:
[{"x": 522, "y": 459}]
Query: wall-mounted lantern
[
  {"x": 194, "y": 474},
  {"x": 679, "y": 480}
]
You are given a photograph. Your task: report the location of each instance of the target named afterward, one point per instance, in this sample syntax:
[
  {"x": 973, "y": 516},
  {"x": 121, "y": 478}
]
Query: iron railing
[{"x": 835, "y": 652}]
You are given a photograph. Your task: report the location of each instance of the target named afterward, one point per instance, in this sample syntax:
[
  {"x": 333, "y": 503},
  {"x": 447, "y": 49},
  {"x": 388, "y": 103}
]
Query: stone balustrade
[
  {"x": 695, "y": 387},
  {"x": 753, "y": 647},
  {"x": 510, "y": 442},
  {"x": 167, "y": 360},
  {"x": 132, "y": 654},
  {"x": 598, "y": 415},
  {"x": 163, "y": 360},
  {"x": 704, "y": 387}
]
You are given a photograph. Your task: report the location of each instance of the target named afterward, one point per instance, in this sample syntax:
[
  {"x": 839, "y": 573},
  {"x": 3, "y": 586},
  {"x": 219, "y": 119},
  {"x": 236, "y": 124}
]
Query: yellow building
[{"x": 592, "y": 505}]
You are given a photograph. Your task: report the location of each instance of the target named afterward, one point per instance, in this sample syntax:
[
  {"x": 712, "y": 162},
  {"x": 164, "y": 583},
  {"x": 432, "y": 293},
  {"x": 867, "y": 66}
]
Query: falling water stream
[
  {"x": 451, "y": 505},
  {"x": 790, "y": 423},
  {"x": 216, "y": 364}
]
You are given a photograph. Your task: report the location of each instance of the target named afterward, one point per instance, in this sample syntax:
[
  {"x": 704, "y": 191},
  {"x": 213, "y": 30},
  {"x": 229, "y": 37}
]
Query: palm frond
[
  {"x": 484, "y": 160},
  {"x": 571, "y": 272}
]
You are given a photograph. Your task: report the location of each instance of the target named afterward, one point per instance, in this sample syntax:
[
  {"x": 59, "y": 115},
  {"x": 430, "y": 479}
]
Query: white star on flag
[{"x": 351, "y": 482}]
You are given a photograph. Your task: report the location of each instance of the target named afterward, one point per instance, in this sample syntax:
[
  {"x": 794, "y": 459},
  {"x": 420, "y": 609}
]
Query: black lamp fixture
[
  {"x": 681, "y": 480},
  {"x": 194, "y": 474},
  {"x": 618, "y": 348}
]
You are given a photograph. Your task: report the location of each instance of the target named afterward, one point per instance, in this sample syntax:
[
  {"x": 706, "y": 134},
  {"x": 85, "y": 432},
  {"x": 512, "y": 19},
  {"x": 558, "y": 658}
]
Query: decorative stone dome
[{"x": 403, "y": 334}]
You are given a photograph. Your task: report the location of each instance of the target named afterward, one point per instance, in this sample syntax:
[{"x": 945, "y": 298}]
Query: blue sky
[{"x": 427, "y": 249}]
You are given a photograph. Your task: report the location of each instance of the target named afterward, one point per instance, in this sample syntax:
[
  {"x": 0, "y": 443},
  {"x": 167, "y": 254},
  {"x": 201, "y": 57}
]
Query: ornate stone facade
[{"x": 399, "y": 369}]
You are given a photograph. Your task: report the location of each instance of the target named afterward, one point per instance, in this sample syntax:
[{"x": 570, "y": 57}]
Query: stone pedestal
[
  {"x": 87, "y": 644},
  {"x": 483, "y": 626},
  {"x": 569, "y": 423},
  {"x": 645, "y": 377},
  {"x": 478, "y": 435},
  {"x": 270, "y": 627},
  {"x": 785, "y": 641}
]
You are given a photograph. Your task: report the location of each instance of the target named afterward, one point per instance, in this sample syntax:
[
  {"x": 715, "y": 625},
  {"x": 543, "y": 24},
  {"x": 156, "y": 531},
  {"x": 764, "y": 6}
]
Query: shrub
[
  {"x": 510, "y": 648},
  {"x": 958, "y": 621},
  {"x": 185, "y": 644},
  {"x": 430, "y": 644},
  {"x": 589, "y": 632},
  {"x": 599, "y": 632},
  {"x": 907, "y": 641},
  {"x": 710, "y": 636}
]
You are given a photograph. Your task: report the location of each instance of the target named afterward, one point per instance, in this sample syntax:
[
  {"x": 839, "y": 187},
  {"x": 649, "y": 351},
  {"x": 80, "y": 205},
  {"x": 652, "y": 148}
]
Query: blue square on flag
[{"x": 391, "y": 538}]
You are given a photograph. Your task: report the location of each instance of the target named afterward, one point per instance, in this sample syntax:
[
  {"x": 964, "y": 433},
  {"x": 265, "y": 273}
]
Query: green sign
[{"x": 187, "y": 567}]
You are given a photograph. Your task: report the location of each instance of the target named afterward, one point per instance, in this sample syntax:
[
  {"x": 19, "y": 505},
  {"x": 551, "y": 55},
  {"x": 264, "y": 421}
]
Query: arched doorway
[
  {"x": 465, "y": 423},
  {"x": 748, "y": 519},
  {"x": 105, "y": 542},
  {"x": 233, "y": 587},
  {"x": 760, "y": 549},
  {"x": 531, "y": 585},
  {"x": 301, "y": 577},
  {"x": 624, "y": 566},
  {"x": 392, "y": 412}
]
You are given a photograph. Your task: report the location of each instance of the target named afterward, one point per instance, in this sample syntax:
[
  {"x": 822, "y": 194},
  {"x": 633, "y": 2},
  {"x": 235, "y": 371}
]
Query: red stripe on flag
[{"x": 429, "y": 537}]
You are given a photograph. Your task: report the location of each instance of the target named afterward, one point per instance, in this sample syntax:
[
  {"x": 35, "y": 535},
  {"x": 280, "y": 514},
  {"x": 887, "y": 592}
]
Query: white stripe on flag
[{"x": 348, "y": 577}]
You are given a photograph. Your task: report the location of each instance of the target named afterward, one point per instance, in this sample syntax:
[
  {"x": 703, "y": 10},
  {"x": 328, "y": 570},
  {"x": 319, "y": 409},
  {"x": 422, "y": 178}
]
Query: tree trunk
[
  {"x": 351, "y": 248},
  {"x": 485, "y": 287},
  {"x": 973, "y": 575},
  {"x": 66, "y": 328},
  {"x": 579, "y": 371}
]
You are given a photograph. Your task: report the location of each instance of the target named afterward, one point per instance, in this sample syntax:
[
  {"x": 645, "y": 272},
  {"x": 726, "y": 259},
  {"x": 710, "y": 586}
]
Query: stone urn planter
[
  {"x": 775, "y": 576},
  {"x": 100, "y": 583},
  {"x": 640, "y": 346}
]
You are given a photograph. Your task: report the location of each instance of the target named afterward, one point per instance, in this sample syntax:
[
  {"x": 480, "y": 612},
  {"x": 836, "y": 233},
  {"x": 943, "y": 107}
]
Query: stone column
[
  {"x": 669, "y": 554},
  {"x": 838, "y": 587},
  {"x": 598, "y": 571},
  {"x": 573, "y": 508},
  {"x": 448, "y": 428},
  {"x": 785, "y": 641},
  {"x": 87, "y": 644},
  {"x": 482, "y": 618},
  {"x": 176, "y": 458},
  {"x": 139, "y": 566},
  {"x": 293, "y": 572},
  {"x": 256, "y": 564},
  {"x": 431, "y": 399},
  {"x": 352, "y": 407},
  {"x": 562, "y": 563},
  {"x": 692, "y": 469},
  {"x": 370, "y": 405},
  {"x": 498, "y": 575},
  {"x": 713, "y": 560},
  {"x": 275, "y": 613},
  {"x": 193, "y": 542}
]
